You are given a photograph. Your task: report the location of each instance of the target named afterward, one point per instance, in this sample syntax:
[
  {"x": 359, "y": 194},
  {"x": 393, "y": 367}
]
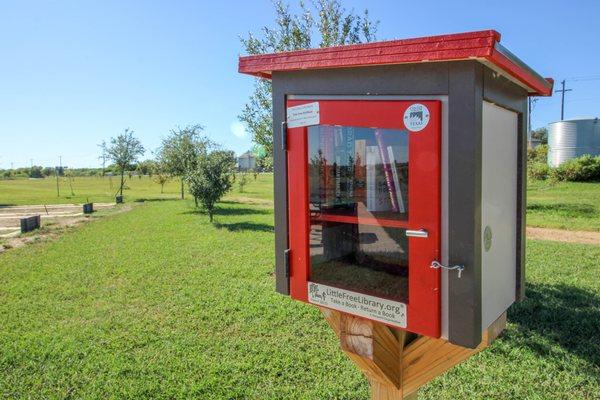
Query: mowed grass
[
  {"x": 565, "y": 205},
  {"x": 157, "y": 303},
  {"x": 104, "y": 189},
  {"x": 572, "y": 205}
]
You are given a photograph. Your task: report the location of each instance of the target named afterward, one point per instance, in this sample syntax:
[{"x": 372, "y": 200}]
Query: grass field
[
  {"x": 574, "y": 206},
  {"x": 565, "y": 205},
  {"x": 157, "y": 303},
  {"x": 104, "y": 189}
]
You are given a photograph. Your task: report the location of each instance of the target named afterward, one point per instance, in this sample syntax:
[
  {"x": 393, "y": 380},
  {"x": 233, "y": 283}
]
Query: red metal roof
[{"x": 483, "y": 46}]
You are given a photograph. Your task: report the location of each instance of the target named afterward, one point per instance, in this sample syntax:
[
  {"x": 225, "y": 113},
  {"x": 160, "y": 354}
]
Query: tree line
[{"x": 185, "y": 154}]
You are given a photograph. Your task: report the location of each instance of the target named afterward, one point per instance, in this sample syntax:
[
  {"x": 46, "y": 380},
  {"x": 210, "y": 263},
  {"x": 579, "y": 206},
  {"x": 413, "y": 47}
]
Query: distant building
[
  {"x": 246, "y": 162},
  {"x": 572, "y": 138}
]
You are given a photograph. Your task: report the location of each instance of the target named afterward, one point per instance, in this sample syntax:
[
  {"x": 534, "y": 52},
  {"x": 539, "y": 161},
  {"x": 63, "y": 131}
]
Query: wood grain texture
[{"x": 394, "y": 362}]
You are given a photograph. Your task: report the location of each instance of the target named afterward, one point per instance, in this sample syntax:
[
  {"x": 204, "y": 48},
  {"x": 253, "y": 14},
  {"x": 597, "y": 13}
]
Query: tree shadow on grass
[
  {"x": 231, "y": 211},
  {"x": 244, "y": 226},
  {"x": 6, "y": 205},
  {"x": 154, "y": 199},
  {"x": 562, "y": 315},
  {"x": 566, "y": 209}
]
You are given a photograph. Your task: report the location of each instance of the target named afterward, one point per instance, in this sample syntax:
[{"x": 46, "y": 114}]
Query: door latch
[
  {"x": 286, "y": 262},
  {"x": 284, "y": 136},
  {"x": 421, "y": 233},
  {"x": 458, "y": 268}
]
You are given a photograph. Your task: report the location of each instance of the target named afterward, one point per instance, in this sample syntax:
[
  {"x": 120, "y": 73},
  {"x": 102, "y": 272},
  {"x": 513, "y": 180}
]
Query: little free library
[{"x": 400, "y": 195}]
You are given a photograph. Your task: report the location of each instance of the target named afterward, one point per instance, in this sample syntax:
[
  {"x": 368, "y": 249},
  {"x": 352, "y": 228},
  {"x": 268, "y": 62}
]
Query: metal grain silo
[{"x": 572, "y": 138}]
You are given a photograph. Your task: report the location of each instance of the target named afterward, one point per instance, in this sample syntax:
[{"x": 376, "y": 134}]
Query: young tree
[
  {"x": 103, "y": 155},
  {"x": 70, "y": 178},
  {"x": 335, "y": 26},
  {"x": 180, "y": 151},
  {"x": 212, "y": 178},
  {"x": 159, "y": 175},
  {"x": 242, "y": 181},
  {"x": 124, "y": 150}
]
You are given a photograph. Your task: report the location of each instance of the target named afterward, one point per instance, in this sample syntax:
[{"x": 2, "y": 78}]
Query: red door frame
[{"x": 423, "y": 308}]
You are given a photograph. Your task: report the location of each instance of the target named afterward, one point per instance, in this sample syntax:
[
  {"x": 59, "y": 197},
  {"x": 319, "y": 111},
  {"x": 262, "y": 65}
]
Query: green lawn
[
  {"x": 157, "y": 303},
  {"x": 574, "y": 206},
  {"x": 565, "y": 205},
  {"x": 104, "y": 189}
]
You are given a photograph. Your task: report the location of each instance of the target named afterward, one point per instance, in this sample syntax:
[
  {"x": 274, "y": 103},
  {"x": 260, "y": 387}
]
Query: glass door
[
  {"x": 358, "y": 205},
  {"x": 363, "y": 191}
]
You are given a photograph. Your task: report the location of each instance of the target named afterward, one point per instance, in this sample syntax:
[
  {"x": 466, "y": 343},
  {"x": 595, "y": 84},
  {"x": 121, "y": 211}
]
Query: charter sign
[{"x": 382, "y": 310}]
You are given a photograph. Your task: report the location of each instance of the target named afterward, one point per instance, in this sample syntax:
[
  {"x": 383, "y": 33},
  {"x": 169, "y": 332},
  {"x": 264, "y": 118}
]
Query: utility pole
[
  {"x": 562, "y": 100},
  {"x": 532, "y": 102},
  {"x": 58, "y": 172}
]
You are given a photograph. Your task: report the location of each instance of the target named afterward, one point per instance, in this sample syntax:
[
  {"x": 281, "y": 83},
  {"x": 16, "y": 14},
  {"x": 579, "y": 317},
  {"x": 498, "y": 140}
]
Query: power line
[
  {"x": 585, "y": 99},
  {"x": 585, "y": 78}
]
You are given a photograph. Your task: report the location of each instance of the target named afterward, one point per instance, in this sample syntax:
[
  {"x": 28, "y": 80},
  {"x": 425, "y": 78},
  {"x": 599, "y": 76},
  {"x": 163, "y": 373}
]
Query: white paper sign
[
  {"x": 304, "y": 115},
  {"x": 375, "y": 308}
]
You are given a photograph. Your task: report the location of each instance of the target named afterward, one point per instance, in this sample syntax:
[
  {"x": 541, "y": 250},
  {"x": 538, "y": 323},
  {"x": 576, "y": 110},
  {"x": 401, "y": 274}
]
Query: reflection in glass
[
  {"x": 358, "y": 171},
  {"x": 358, "y": 188}
]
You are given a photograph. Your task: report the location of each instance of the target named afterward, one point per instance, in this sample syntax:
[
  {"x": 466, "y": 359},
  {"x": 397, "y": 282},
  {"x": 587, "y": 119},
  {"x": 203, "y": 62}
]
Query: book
[
  {"x": 378, "y": 198},
  {"x": 387, "y": 170},
  {"x": 326, "y": 193},
  {"x": 360, "y": 177},
  {"x": 394, "y": 167}
]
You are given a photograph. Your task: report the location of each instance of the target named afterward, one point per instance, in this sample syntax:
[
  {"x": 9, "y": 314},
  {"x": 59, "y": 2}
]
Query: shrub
[
  {"x": 581, "y": 169},
  {"x": 212, "y": 178},
  {"x": 539, "y": 154},
  {"x": 538, "y": 170}
]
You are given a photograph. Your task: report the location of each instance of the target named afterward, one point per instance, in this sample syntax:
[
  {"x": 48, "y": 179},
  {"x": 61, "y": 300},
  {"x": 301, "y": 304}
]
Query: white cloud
[{"x": 238, "y": 129}]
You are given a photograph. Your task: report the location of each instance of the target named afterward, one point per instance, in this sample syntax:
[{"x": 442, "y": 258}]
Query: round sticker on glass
[{"x": 416, "y": 117}]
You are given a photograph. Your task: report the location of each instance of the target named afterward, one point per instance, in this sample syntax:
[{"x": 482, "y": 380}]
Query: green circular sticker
[{"x": 487, "y": 238}]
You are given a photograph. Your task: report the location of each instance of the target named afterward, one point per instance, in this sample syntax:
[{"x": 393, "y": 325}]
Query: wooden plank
[
  {"x": 426, "y": 358},
  {"x": 377, "y": 348},
  {"x": 394, "y": 365}
]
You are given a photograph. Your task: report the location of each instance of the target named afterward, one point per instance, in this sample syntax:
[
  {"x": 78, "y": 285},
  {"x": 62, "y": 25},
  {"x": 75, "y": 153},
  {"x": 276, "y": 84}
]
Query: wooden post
[{"x": 395, "y": 362}]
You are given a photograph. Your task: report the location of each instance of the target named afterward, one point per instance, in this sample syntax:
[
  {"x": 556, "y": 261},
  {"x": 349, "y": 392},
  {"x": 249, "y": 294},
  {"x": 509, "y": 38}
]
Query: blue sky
[{"x": 73, "y": 73}]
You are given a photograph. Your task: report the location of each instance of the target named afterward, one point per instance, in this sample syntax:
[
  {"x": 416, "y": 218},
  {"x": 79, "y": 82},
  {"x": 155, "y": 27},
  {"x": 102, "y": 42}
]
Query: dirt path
[
  {"x": 56, "y": 219},
  {"x": 561, "y": 235}
]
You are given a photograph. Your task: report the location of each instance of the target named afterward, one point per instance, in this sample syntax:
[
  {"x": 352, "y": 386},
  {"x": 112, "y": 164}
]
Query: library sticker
[
  {"x": 416, "y": 117},
  {"x": 303, "y": 115}
]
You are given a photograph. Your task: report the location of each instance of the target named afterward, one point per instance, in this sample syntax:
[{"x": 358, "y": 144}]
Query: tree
[
  {"x": 103, "y": 155},
  {"x": 124, "y": 150},
  {"x": 70, "y": 178},
  {"x": 334, "y": 26},
  {"x": 47, "y": 171},
  {"x": 541, "y": 134},
  {"x": 146, "y": 167},
  {"x": 242, "y": 181},
  {"x": 159, "y": 175},
  {"x": 36, "y": 172},
  {"x": 212, "y": 177},
  {"x": 180, "y": 151}
]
